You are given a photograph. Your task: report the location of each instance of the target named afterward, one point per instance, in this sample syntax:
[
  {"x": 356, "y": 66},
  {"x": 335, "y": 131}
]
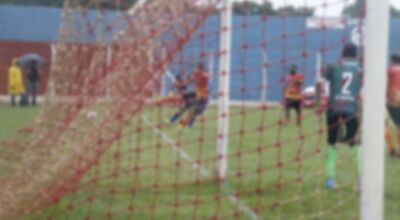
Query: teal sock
[
  {"x": 330, "y": 163},
  {"x": 357, "y": 157}
]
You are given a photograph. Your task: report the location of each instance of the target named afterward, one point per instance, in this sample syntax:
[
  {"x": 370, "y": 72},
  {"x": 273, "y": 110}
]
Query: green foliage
[
  {"x": 292, "y": 11},
  {"x": 108, "y": 4},
  {"x": 266, "y": 8},
  {"x": 357, "y": 9},
  {"x": 51, "y": 3}
]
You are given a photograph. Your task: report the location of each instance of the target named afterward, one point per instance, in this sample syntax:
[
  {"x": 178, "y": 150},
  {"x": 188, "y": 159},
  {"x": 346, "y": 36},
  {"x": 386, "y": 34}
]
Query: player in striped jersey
[
  {"x": 292, "y": 94},
  {"x": 200, "y": 79},
  {"x": 393, "y": 101}
]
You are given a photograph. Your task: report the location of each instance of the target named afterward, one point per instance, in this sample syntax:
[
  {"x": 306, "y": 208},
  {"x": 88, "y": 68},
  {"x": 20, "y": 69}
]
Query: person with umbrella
[
  {"x": 30, "y": 62},
  {"x": 33, "y": 78},
  {"x": 15, "y": 82}
]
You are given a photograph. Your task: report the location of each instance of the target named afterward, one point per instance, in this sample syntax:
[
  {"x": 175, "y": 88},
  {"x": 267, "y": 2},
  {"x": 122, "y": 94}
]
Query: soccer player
[
  {"x": 200, "y": 79},
  {"x": 393, "y": 100},
  {"x": 343, "y": 105},
  {"x": 187, "y": 98},
  {"x": 292, "y": 93}
]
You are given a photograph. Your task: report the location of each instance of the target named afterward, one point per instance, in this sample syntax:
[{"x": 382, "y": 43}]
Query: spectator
[
  {"x": 33, "y": 78},
  {"x": 15, "y": 82},
  {"x": 393, "y": 102}
]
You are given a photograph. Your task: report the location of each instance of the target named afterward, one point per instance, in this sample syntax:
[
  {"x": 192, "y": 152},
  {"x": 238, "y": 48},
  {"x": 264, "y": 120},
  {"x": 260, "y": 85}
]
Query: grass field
[{"x": 166, "y": 173}]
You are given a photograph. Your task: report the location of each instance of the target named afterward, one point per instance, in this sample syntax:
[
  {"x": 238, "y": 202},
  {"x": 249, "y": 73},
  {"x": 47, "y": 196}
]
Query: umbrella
[{"x": 27, "y": 59}]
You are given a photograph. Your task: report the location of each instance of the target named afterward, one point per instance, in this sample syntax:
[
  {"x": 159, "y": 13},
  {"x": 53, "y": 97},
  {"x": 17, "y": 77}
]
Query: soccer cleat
[{"x": 330, "y": 183}]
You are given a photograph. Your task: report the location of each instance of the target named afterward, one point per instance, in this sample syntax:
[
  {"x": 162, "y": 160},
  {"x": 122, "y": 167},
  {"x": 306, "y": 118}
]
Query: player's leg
[
  {"x": 332, "y": 120},
  {"x": 287, "y": 105},
  {"x": 177, "y": 115},
  {"x": 389, "y": 141},
  {"x": 188, "y": 102},
  {"x": 394, "y": 113},
  {"x": 13, "y": 102},
  {"x": 200, "y": 107},
  {"x": 298, "y": 108},
  {"x": 352, "y": 125}
]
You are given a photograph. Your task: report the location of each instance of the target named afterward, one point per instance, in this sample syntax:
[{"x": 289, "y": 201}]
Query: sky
[{"x": 333, "y": 8}]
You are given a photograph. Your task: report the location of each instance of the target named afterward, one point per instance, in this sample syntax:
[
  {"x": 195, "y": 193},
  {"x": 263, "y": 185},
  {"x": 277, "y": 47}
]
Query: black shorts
[
  {"x": 293, "y": 104},
  {"x": 201, "y": 105},
  {"x": 334, "y": 123},
  {"x": 189, "y": 99},
  {"x": 394, "y": 113}
]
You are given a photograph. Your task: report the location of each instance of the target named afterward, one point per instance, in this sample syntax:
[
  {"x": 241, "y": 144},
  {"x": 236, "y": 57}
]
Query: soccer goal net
[{"x": 176, "y": 109}]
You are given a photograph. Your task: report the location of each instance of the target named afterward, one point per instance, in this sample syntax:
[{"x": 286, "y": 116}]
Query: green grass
[
  {"x": 14, "y": 118},
  {"x": 143, "y": 175}
]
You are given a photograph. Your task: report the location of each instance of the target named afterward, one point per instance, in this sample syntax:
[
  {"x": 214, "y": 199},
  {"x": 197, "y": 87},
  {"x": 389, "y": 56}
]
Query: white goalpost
[
  {"x": 224, "y": 89},
  {"x": 372, "y": 175},
  {"x": 264, "y": 77}
]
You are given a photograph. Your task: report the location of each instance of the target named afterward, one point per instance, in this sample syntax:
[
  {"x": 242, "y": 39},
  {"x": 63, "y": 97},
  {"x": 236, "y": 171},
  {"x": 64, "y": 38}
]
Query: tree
[
  {"x": 357, "y": 9},
  {"x": 266, "y": 8},
  {"x": 394, "y": 12},
  {"x": 292, "y": 11},
  {"x": 246, "y": 8},
  {"x": 354, "y": 10},
  {"x": 108, "y": 4}
]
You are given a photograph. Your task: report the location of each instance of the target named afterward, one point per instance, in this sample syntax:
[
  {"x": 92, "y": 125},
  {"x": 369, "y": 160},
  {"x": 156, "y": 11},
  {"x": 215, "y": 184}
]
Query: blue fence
[{"x": 299, "y": 47}]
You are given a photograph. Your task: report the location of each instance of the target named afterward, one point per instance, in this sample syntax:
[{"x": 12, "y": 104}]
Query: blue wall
[
  {"x": 42, "y": 24},
  {"x": 29, "y": 23}
]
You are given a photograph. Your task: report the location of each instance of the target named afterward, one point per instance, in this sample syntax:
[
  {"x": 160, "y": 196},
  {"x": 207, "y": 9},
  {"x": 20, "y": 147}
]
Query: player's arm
[
  {"x": 320, "y": 88},
  {"x": 300, "y": 79},
  {"x": 387, "y": 87},
  {"x": 285, "y": 86}
]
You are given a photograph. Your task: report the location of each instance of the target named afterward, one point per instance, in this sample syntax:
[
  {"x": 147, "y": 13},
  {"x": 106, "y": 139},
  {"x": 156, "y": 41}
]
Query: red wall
[{"x": 12, "y": 49}]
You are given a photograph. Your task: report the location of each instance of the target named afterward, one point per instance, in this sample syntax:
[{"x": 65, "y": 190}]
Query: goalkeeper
[
  {"x": 200, "y": 79},
  {"x": 186, "y": 98},
  {"x": 343, "y": 105}
]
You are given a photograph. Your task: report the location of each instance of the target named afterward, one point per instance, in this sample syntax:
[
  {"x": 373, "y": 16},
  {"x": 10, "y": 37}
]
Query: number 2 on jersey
[{"x": 347, "y": 79}]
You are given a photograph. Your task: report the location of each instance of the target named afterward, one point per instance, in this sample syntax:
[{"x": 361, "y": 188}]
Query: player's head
[
  {"x": 14, "y": 61},
  {"x": 293, "y": 69},
  {"x": 200, "y": 66},
  {"x": 395, "y": 58},
  {"x": 349, "y": 51}
]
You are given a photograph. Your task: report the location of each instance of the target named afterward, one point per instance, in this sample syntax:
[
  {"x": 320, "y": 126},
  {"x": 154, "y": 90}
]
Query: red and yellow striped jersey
[
  {"x": 293, "y": 86},
  {"x": 393, "y": 90},
  {"x": 200, "y": 79}
]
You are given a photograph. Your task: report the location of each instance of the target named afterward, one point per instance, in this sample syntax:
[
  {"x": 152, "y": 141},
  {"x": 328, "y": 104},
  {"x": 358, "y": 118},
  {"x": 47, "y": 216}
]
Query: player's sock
[
  {"x": 191, "y": 122},
  {"x": 357, "y": 157},
  {"x": 389, "y": 141},
  {"x": 330, "y": 163},
  {"x": 175, "y": 117},
  {"x": 330, "y": 167}
]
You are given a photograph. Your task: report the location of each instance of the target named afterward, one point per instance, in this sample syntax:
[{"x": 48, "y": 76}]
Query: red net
[{"x": 108, "y": 143}]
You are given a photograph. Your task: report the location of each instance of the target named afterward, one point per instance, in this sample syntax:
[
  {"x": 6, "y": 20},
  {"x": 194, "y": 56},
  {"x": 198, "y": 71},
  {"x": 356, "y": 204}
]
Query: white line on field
[{"x": 203, "y": 171}]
